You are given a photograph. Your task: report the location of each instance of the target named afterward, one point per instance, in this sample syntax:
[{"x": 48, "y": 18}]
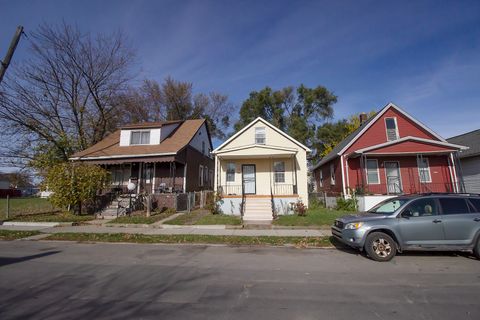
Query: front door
[
  {"x": 392, "y": 171},
  {"x": 248, "y": 178}
]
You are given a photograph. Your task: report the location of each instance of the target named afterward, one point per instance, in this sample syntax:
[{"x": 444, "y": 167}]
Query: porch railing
[
  {"x": 231, "y": 190},
  {"x": 284, "y": 189},
  {"x": 395, "y": 188},
  {"x": 277, "y": 189}
]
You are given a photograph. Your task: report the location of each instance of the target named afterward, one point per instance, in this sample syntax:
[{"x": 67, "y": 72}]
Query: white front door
[
  {"x": 248, "y": 178},
  {"x": 394, "y": 183}
]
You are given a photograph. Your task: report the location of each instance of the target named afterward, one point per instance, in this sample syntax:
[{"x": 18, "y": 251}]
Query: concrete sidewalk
[{"x": 210, "y": 230}]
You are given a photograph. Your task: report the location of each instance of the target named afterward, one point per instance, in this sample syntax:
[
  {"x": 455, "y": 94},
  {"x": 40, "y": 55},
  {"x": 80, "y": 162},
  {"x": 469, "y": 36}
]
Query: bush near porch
[{"x": 315, "y": 217}]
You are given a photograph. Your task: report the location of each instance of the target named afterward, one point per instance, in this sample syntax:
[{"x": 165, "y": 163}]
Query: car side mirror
[{"x": 407, "y": 214}]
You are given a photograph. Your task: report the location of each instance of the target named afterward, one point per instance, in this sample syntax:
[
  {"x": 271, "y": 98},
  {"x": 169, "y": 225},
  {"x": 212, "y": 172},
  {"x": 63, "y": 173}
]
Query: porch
[
  {"x": 257, "y": 176},
  {"x": 149, "y": 177},
  {"x": 396, "y": 174}
]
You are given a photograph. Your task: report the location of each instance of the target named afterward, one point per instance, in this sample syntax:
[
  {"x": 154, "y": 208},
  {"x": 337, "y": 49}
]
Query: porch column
[
  {"x": 295, "y": 190},
  {"x": 185, "y": 178},
  {"x": 139, "y": 181},
  {"x": 153, "y": 178}
]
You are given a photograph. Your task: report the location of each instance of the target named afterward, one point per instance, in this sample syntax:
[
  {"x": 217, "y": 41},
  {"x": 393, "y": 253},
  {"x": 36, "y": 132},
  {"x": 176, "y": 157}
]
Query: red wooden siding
[
  {"x": 376, "y": 134},
  {"x": 336, "y": 189},
  {"x": 439, "y": 172},
  {"x": 411, "y": 146}
]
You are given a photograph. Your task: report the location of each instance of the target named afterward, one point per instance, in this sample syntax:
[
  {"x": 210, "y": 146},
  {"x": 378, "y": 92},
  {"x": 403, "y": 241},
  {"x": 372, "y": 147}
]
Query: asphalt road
[{"x": 60, "y": 280}]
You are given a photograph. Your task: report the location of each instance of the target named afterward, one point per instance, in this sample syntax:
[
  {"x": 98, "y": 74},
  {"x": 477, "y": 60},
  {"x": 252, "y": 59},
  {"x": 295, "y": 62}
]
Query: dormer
[{"x": 146, "y": 133}]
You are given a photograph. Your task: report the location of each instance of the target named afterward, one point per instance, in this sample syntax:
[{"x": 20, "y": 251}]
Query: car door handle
[
  {"x": 476, "y": 219},
  {"x": 437, "y": 221}
]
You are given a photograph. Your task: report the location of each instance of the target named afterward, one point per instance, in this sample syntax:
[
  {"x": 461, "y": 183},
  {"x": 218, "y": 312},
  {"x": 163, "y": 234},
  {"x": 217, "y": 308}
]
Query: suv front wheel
[{"x": 380, "y": 246}]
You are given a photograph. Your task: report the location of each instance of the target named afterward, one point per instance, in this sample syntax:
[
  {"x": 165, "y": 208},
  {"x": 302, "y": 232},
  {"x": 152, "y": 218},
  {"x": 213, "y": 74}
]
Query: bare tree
[
  {"x": 63, "y": 98},
  {"x": 175, "y": 100}
]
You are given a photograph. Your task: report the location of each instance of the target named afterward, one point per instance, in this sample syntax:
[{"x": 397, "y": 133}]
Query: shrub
[
  {"x": 212, "y": 203},
  {"x": 300, "y": 209},
  {"x": 346, "y": 204},
  {"x": 74, "y": 184},
  {"x": 316, "y": 203}
]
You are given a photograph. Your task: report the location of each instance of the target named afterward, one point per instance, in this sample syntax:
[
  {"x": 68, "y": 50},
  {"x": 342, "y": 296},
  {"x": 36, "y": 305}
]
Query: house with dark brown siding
[{"x": 159, "y": 157}]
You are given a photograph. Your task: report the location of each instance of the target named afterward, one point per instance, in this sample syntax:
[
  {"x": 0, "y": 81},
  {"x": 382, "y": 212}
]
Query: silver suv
[{"x": 444, "y": 222}]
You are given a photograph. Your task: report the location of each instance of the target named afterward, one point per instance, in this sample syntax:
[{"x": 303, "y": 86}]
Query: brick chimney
[{"x": 363, "y": 118}]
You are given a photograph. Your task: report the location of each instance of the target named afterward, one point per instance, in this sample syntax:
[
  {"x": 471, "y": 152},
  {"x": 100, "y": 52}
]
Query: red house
[{"x": 389, "y": 154}]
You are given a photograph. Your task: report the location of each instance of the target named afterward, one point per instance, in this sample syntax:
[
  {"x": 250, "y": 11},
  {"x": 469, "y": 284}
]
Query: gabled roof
[
  {"x": 410, "y": 138},
  {"x": 267, "y": 124},
  {"x": 470, "y": 139},
  {"x": 340, "y": 148},
  {"x": 110, "y": 147}
]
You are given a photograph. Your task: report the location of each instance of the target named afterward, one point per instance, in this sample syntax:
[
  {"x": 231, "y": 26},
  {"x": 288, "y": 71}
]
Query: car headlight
[{"x": 353, "y": 225}]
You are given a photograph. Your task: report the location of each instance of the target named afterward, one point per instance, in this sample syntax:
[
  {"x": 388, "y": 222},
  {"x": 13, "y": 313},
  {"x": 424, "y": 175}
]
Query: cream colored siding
[{"x": 243, "y": 150}]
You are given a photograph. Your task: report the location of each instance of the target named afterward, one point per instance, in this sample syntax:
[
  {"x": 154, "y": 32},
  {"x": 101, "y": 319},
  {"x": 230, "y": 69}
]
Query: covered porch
[
  {"x": 151, "y": 176},
  {"x": 257, "y": 171},
  {"x": 410, "y": 166}
]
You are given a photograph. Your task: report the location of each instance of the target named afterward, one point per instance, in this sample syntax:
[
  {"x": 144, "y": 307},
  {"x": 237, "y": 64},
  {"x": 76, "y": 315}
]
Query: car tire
[
  {"x": 380, "y": 246},
  {"x": 476, "y": 249}
]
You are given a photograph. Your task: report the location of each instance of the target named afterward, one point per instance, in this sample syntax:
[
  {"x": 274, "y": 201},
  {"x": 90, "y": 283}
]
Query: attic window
[
  {"x": 260, "y": 135},
  {"x": 392, "y": 129},
  {"x": 140, "y": 137}
]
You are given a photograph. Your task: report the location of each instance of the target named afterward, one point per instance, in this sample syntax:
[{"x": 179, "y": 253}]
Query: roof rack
[{"x": 451, "y": 194}]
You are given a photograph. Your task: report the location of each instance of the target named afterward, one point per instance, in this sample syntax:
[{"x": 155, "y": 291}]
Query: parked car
[{"x": 443, "y": 222}]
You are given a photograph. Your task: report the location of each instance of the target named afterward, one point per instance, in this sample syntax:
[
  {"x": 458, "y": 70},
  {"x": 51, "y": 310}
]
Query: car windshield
[{"x": 388, "y": 207}]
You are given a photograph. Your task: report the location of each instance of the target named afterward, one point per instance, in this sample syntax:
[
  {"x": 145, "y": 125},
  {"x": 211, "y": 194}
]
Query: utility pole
[{"x": 13, "y": 45}]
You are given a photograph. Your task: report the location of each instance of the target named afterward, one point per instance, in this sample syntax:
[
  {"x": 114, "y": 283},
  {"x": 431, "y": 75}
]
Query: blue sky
[{"x": 422, "y": 55}]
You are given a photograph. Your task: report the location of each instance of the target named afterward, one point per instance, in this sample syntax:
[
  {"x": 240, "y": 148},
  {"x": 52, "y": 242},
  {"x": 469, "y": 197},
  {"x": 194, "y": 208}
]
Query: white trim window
[
  {"x": 140, "y": 137},
  {"x": 231, "y": 172},
  {"x": 321, "y": 178},
  {"x": 279, "y": 169},
  {"x": 260, "y": 135},
  {"x": 332, "y": 174},
  {"x": 424, "y": 170},
  {"x": 373, "y": 174},
  {"x": 391, "y": 128}
]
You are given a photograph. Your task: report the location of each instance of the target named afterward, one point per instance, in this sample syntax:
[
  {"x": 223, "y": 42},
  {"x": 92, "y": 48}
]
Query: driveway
[{"x": 61, "y": 280}]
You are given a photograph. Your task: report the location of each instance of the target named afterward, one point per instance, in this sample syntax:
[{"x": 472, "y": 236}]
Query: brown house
[{"x": 168, "y": 156}]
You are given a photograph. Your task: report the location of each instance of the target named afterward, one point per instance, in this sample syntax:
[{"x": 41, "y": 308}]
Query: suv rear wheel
[{"x": 380, "y": 246}]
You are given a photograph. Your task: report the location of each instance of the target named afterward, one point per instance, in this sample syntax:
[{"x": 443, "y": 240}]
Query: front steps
[
  {"x": 112, "y": 211},
  {"x": 257, "y": 210}
]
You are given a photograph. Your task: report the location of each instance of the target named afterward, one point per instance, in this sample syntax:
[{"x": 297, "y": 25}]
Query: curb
[
  {"x": 127, "y": 225},
  {"x": 33, "y": 224},
  {"x": 206, "y": 226}
]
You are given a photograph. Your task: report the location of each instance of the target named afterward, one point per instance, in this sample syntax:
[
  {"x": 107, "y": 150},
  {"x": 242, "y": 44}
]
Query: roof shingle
[
  {"x": 176, "y": 141},
  {"x": 470, "y": 139}
]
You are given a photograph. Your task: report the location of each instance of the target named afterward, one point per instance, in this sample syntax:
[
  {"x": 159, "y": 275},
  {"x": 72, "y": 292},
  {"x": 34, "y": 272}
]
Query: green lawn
[
  {"x": 52, "y": 217},
  {"x": 204, "y": 217},
  {"x": 219, "y": 219},
  {"x": 16, "y": 234},
  {"x": 302, "y": 242},
  {"x": 142, "y": 219},
  {"x": 315, "y": 217},
  {"x": 22, "y": 206}
]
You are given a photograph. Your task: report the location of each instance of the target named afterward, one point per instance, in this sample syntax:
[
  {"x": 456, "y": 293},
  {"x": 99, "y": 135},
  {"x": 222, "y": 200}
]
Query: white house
[{"x": 260, "y": 172}]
